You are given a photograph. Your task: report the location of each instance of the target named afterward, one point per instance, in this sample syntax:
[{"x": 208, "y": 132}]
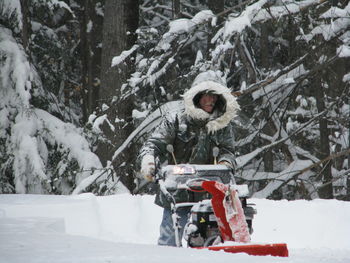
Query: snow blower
[{"x": 221, "y": 218}]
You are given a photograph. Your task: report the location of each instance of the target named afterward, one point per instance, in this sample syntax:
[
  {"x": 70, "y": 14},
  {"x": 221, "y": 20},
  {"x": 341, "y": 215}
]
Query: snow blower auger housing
[{"x": 219, "y": 212}]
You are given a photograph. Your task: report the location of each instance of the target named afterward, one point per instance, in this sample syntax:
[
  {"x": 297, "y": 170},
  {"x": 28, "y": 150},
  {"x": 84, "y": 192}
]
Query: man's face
[{"x": 207, "y": 102}]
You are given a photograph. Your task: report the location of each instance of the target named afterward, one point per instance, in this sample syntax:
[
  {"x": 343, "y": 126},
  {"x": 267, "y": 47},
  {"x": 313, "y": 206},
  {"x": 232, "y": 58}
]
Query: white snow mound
[{"x": 124, "y": 228}]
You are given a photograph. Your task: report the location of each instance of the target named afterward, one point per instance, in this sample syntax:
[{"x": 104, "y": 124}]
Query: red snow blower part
[
  {"x": 220, "y": 214},
  {"x": 232, "y": 224}
]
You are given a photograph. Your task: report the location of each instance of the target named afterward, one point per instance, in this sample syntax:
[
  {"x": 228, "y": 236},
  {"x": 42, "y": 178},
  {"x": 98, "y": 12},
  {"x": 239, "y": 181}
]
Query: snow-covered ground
[{"x": 124, "y": 228}]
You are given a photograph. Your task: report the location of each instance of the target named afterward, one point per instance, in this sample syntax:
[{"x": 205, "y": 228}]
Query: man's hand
[{"x": 148, "y": 168}]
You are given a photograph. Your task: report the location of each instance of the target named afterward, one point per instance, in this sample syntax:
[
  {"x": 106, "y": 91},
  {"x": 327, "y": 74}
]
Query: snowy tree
[
  {"x": 286, "y": 61},
  {"x": 65, "y": 93},
  {"x": 40, "y": 153}
]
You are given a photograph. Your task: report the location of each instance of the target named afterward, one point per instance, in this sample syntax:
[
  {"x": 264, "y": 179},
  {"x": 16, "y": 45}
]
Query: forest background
[{"x": 83, "y": 83}]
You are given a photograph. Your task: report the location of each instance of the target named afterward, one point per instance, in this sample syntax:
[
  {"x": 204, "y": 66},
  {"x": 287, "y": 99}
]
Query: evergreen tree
[
  {"x": 42, "y": 148},
  {"x": 280, "y": 58},
  {"x": 65, "y": 95}
]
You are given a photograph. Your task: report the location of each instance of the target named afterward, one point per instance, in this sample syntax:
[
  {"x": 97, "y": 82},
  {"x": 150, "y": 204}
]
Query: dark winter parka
[{"x": 193, "y": 132}]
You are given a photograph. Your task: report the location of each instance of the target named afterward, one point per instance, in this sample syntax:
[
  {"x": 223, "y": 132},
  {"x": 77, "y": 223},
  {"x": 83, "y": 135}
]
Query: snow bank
[
  {"x": 124, "y": 228},
  {"x": 303, "y": 224},
  {"x": 121, "y": 218}
]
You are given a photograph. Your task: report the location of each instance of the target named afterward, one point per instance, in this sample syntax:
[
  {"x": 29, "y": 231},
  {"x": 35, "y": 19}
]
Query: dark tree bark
[
  {"x": 91, "y": 40},
  {"x": 268, "y": 161},
  {"x": 326, "y": 190},
  {"x": 270, "y": 130},
  {"x": 216, "y": 6},
  {"x": 264, "y": 46},
  {"x": 120, "y": 23},
  {"x": 338, "y": 86},
  {"x": 25, "y": 24},
  {"x": 176, "y": 9}
]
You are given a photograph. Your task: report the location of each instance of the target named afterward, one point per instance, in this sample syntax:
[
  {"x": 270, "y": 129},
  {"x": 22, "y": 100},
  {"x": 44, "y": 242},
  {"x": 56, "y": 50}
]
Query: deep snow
[{"x": 124, "y": 228}]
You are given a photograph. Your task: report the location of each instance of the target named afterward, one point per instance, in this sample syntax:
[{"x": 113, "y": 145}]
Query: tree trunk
[
  {"x": 120, "y": 23},
  {"x": 268, "y": 161},
  {"x": 216, "y": 6},
  {"x": 326, "y": 190},
  {"x": 270, "y": 130},
  {"x": 176, "y": 9},
  {"x": 91, "y": 38},
  {"x": 264, "y": 46},
  {"x": 25, "y": 24}
]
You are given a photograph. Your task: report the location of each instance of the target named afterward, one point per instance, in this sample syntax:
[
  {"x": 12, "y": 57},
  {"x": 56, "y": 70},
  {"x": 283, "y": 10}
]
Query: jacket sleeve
[
  {"x": 226, "y": 145},
  {"x": 162, "y": 136}
]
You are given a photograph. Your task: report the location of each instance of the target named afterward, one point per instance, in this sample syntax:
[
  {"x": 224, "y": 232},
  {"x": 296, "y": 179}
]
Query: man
[{"x": 193, "y": 133}]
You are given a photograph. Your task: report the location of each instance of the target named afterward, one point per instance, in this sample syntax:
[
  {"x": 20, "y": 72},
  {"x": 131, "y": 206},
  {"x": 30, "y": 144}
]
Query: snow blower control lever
[
  {"x": 170, "y": 149},
  {"x": 215, "y": 154}
]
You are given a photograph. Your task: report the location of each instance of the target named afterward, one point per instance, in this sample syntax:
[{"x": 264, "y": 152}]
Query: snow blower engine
[
  {"x": 219, "y": 208},
  {"x": 202, "y": 229}
]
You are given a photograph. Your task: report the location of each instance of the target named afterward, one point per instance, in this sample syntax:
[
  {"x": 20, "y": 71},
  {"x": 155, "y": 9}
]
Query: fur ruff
[{"x": 196, "y": 113}]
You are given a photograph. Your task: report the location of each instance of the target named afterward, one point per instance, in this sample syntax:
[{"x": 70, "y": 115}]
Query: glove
[{"x": 148, "y": 168}]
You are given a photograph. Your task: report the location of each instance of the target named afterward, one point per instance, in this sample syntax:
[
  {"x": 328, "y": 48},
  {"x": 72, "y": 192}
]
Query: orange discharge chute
[{"x": 233, "y": 226}]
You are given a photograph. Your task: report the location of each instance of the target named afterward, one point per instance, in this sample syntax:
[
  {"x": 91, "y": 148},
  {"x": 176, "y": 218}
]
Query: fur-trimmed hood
[{"x": 220, "y": 118}]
